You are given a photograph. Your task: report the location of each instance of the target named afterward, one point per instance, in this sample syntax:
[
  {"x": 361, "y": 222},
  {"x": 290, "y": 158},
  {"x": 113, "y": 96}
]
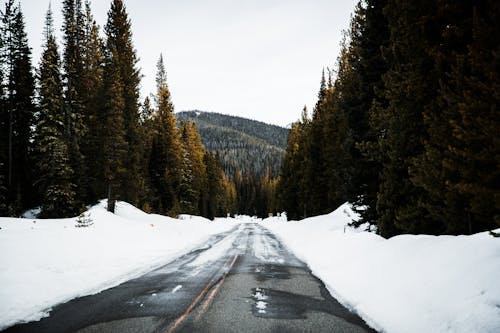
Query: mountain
[{"x": 246, "y": 145}]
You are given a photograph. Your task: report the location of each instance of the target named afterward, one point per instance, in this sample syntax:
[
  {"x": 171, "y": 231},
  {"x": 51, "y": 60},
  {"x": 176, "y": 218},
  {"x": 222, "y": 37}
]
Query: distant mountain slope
[{"x": 246, "y": 145}]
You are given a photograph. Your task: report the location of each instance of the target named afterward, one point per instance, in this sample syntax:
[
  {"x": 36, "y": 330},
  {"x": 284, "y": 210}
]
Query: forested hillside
[{"x": 245, "y": 146}]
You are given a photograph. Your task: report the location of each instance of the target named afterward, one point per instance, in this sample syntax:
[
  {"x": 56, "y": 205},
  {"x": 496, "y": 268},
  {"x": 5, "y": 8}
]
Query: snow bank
[
  {"x": 46, "y": 262},
  {"x": 408, "y": 283}
]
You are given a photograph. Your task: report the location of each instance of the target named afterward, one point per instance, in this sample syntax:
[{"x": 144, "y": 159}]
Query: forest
[
  {"x": 406, "y": 124},
  {"x": 73, "y": 130},
  {"x": 405, "y": 127}
]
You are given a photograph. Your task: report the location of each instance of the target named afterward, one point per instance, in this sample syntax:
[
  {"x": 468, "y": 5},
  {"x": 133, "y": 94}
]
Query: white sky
[{"x": 259, "y": 59}]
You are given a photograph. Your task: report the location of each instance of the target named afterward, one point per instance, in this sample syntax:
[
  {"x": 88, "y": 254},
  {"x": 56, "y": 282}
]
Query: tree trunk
[{"x": 111, "y": 200}]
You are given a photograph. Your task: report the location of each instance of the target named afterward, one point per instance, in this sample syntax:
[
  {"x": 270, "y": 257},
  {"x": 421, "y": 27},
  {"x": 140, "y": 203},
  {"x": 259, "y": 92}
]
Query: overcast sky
[{"x": 259, "y": 59}]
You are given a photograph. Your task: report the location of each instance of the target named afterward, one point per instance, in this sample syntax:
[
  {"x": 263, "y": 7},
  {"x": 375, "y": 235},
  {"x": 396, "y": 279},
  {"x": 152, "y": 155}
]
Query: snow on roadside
[
  {"x": 408, "y": 283},
  {"x": 46, "y": 262}
]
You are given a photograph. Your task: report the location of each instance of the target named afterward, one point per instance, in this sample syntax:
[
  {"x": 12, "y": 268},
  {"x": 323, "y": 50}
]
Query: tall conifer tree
[
  {"x": 54, "y": 170},
  {"x": 194, "y": 171},
  {"x": 165, "y": 166},
  {"x": 92, "y": 98},
  {"x": 18, "y": 109},
  {"x": 121, "y": 63},
  {"x": 74, "y": 91},
  {"x": 115, "y": 147}
]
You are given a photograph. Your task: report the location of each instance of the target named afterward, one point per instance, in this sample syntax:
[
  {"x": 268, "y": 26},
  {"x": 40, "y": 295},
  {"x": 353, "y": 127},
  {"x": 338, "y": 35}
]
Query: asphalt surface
[{"x": 243, "y": 280}]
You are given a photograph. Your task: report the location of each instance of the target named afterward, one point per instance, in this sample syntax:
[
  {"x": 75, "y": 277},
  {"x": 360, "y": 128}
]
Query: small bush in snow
[{"x": 83, "y": 220}]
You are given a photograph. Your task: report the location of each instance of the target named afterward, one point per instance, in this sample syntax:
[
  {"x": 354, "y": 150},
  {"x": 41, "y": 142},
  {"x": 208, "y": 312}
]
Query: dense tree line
[
  {"x": 73, "y": 130},
  {"x": 406, "y": 129}
]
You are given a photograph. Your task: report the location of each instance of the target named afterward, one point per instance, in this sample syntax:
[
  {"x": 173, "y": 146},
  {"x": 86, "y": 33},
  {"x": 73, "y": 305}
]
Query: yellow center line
[{"x": 200, "y": 296}]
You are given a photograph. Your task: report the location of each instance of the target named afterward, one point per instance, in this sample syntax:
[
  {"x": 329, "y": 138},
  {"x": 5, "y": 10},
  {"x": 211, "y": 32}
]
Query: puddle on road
[
  {"x": 269, "y": 271},
  {"x": 276, "y": 304},
  {"x": 269, "y": 303}
]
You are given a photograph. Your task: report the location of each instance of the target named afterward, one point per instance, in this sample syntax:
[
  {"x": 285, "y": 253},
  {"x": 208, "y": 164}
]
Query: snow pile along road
[
  {"x": 46, "y": 262},
  {"x": 408, "y": 283}
]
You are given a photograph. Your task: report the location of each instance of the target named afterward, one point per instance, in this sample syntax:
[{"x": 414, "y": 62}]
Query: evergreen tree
[
  {"x": 458, "y": 168},
  {"x": 292, "y": 180},
  {"x": 212, "y": 193},
  {"x": 372, "y": 39},
  {"x": 74, "y": 90},
  {"x": 115, "y": 147},
  {"x": 194, "y": 171},
  {"x": 92, "y": 104},
  {"x": 4, "y": 128},
  {"x": 18, "y": 110},
  {"x": 54, "y": 170},
  {"x": 409, "y": 85},
  {"x": 165, "y": 166},
  {"x": 123, "y": 61},
  {"x": 315, "y": 182}
]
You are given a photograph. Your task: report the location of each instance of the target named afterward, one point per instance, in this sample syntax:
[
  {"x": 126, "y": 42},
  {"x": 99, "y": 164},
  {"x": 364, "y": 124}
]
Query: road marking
[
  {"x": 215, "y": 290},
  {"x": 200, "y": 296},
  {"x": 176, "y": 288},
  {"x": 189, "y": 309}
]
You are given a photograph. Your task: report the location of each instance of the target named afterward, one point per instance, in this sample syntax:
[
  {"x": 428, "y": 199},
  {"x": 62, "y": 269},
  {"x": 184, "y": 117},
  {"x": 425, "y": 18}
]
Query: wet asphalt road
[{"x": 243, "y": 280}]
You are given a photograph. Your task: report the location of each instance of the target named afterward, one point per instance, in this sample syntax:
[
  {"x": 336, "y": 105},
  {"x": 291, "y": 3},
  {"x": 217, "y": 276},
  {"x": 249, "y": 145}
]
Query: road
[{"x": 244, "y": 280}]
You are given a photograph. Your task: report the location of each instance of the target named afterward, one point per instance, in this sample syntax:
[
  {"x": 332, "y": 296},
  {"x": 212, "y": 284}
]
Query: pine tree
[
  {"x": 113, "y": 135},
  {"x": 194, "y": 171},
  {"x": 212, "y": 193},
  {"x": 292, "y": 179},
  {"x": 74, "y": 91},
  {"x": 410, "y": 84},
  {"x": 315, "y": 184},
  {"x": 336, "y": 133},
  {"x": 54, "y": 170},
  {"x": 123, "y": 60},
  {"x": 92, "y": 105},
  {"x": 459, "y": 167},
  {"x": 18, "y": 109},
  {"x": 373, "y": 38},
  {"x": 165, "y": 166},
  {"x": 4, "y": 129}
]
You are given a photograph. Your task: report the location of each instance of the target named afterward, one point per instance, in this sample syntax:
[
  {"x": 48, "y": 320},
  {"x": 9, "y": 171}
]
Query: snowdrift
[
  {"x": 48, "y": 261},
  {"x": 408, "y": 283}
]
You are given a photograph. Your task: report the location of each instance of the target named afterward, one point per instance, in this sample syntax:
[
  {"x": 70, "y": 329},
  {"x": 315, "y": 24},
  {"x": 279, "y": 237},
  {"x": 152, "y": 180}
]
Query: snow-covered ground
[
  {"x": 46, "y": 262},
  {"x": 409, "y": 283}
]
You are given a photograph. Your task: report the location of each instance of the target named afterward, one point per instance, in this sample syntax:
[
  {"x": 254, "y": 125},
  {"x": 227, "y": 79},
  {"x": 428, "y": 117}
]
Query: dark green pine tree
[
  {"x": 358, "y": 89},
  {"x": 74, "y": 91},
  {"x": 410, "y": 85},
  {"x": 92, "y": 98},
  {"x": 187, "y": 193},
  {"x": 193, "y": 169},
  {"x": 459, "y": 168},
  {"x": 453, "y": 23},
  {"x": 115, "y": 147},
  {"x": 53, "y": 165},
  {"x": 336, "y": 133},
  {"x": 315, "y": 184},
  {"x": 292, "y": 175},
  {"x": 18, "y": 110},
  {"x": 124, "y": 61},
  {"x": 476, "y": 152},
  {"x": 165, "y": 167},
  {"x": 4, "y": 131},
  {"x": 213, "y": 186}
]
